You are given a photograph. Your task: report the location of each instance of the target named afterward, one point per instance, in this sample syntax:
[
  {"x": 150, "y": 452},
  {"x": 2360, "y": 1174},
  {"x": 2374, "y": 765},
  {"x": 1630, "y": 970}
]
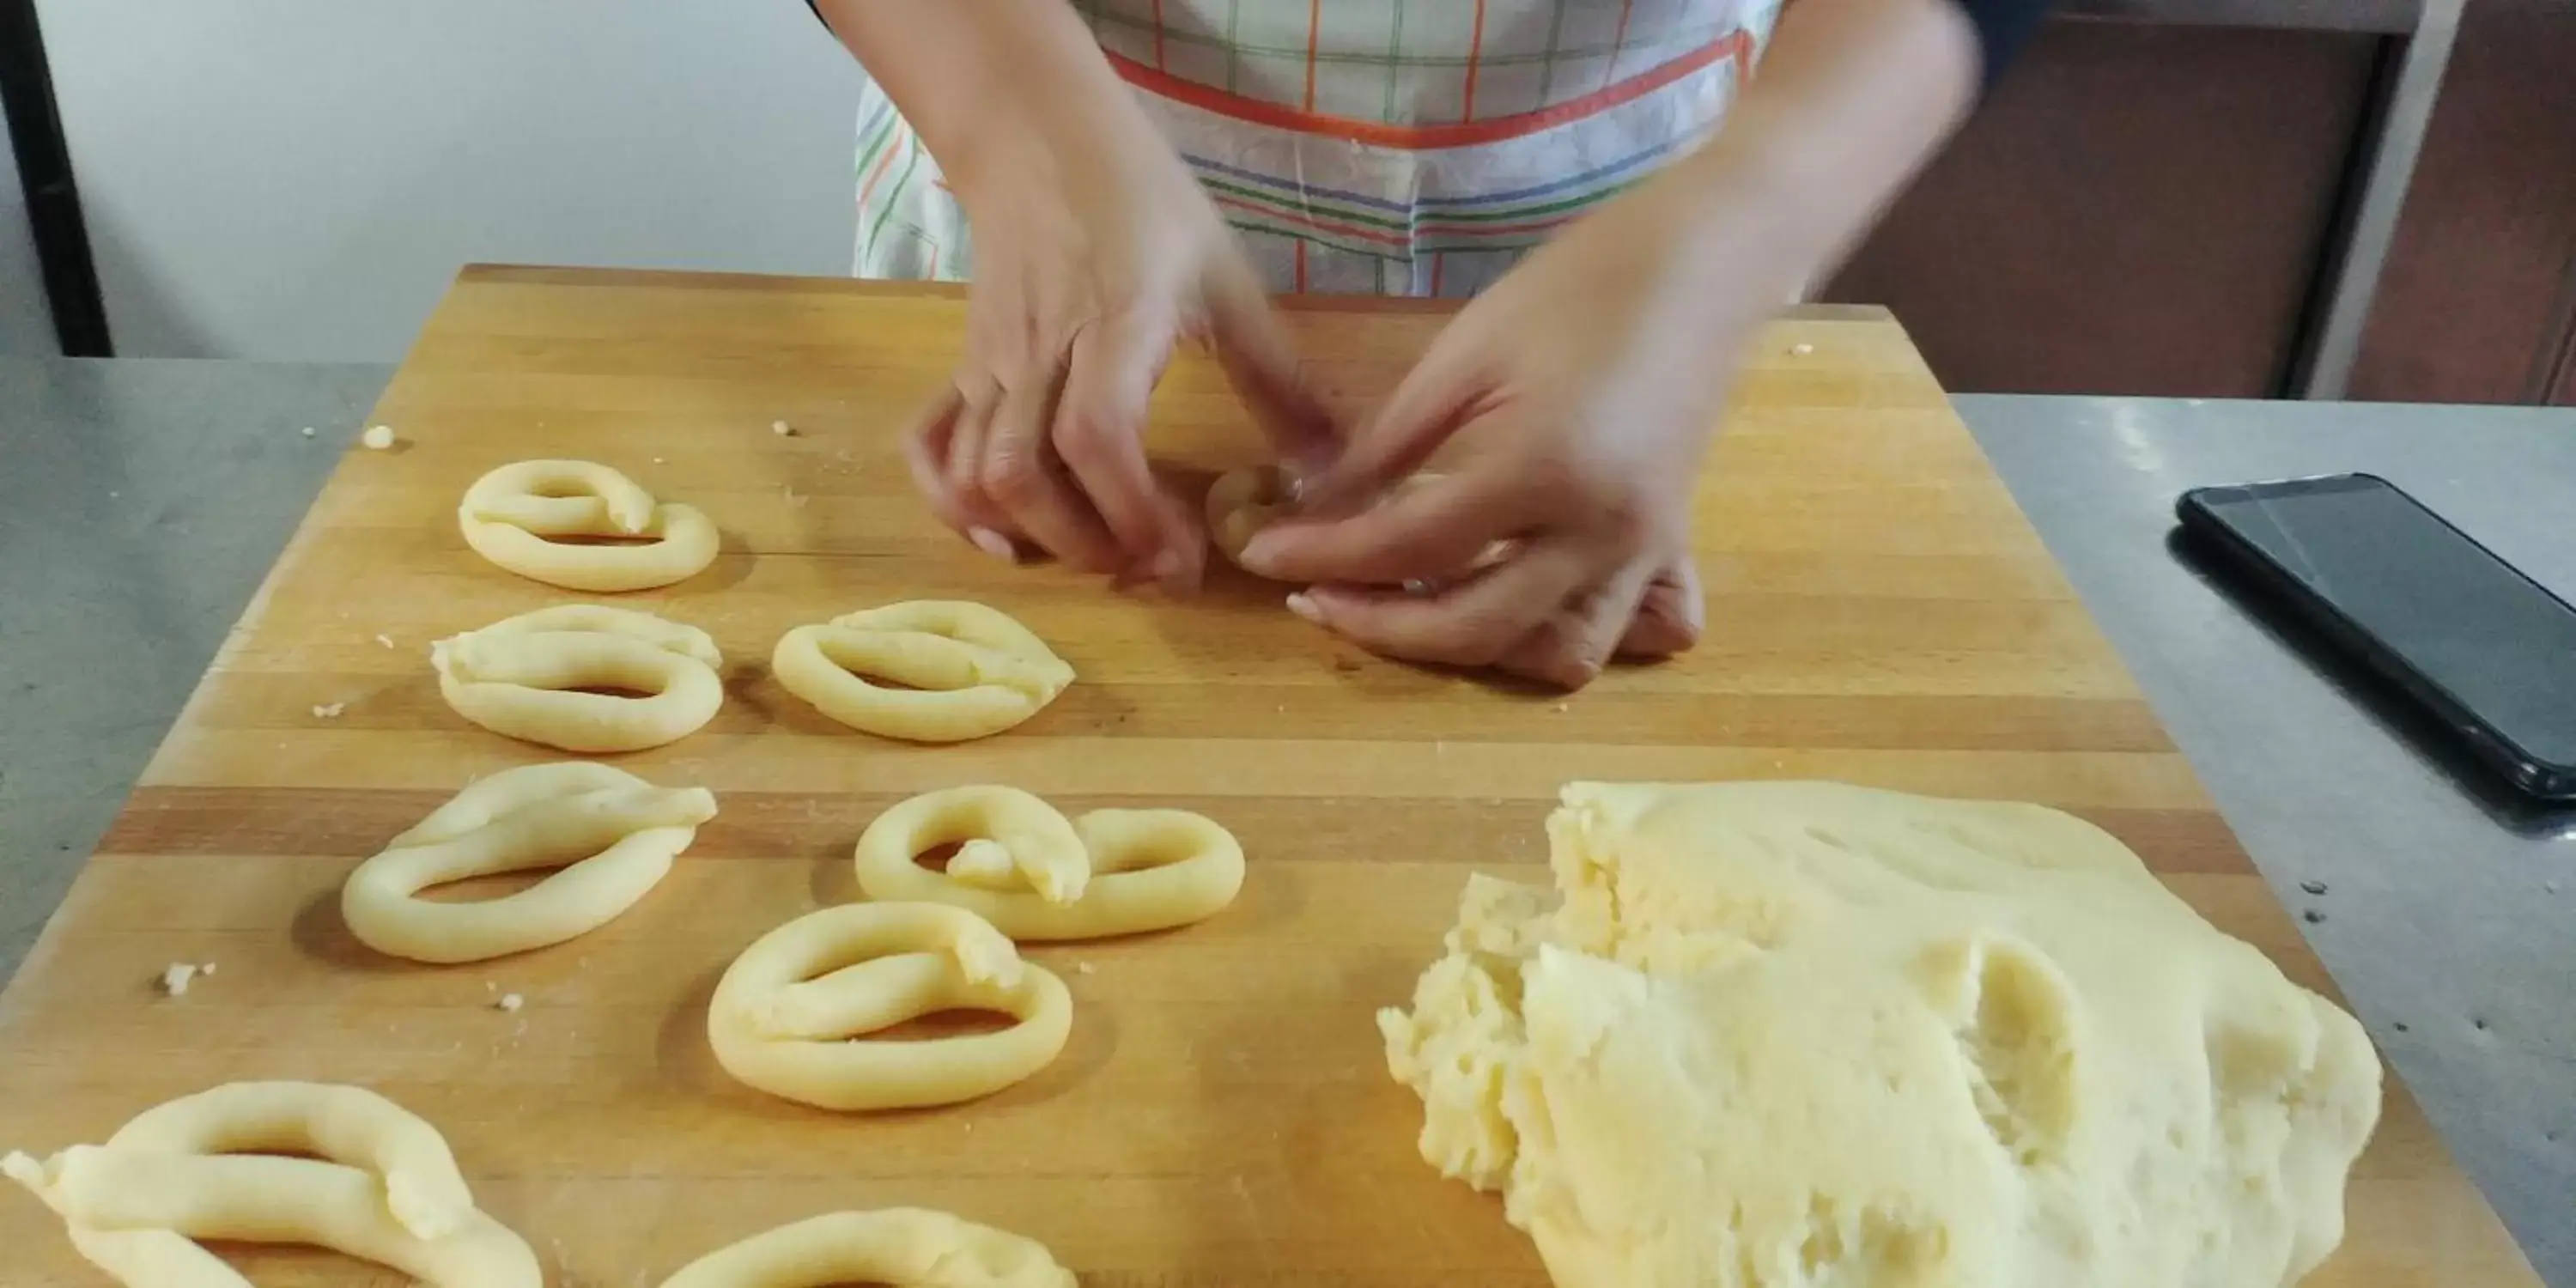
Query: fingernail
[
  {"x": 1304, "y": 605},
  {"x": 1257, "y": 552},
  {"x": 993, "y": 543}
]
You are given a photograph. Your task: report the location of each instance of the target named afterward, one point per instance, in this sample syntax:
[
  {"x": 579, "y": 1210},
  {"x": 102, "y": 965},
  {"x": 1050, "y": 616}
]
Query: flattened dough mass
[{"x": 1804, "y": 1034}]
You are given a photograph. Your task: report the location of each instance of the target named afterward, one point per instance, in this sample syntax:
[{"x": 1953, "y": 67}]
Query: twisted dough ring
[
  {"x": 789, "y": 1013},
  {"x": 510, "y": 514},
  {"x": 970, "y": 671},
  {"x": 612, "y": 834},
  {"x": 1036, "y": 876},
  {"x": 902, "y": 1247},
  {"x": 1244, "y": 501},
  {"x": 520, "y": 676},
  {"x": 384, "y": 1189}
]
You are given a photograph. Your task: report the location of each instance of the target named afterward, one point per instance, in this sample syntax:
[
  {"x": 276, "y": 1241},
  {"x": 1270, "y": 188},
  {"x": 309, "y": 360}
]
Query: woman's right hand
[{"x": 1095, "y": 253}]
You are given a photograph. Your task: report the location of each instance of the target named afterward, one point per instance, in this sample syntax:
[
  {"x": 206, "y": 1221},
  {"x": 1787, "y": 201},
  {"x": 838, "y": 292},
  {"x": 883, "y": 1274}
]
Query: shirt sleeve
[{"x": 2003, "y": 27}]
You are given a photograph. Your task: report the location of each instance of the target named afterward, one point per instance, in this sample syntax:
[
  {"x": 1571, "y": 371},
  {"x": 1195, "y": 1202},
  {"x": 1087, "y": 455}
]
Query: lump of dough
[{"x": 1801, "y": 1035}]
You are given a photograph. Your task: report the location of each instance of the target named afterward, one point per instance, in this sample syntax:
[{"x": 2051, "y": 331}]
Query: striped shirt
[{"x": 1372, "y": 146}]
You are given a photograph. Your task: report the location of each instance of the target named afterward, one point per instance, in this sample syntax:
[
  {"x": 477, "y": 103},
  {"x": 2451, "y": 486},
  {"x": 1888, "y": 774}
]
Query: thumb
[
  {"x": 1261, "y": 363},
  {"x": 1435, "y": 398}
]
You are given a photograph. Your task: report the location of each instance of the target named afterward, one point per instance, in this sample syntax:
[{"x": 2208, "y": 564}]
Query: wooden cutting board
[{"x": 1880, "y": 613}]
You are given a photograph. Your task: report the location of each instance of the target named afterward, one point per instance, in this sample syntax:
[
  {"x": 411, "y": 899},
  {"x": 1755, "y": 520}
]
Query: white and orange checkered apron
[{"x": 1373, "y": 146}]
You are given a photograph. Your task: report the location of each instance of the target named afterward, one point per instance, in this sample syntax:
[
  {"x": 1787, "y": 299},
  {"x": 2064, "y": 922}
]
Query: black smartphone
[{"x": 2490, "y": 651}]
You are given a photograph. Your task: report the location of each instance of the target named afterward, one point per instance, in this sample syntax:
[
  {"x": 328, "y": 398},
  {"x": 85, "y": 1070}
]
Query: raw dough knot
[
  {"x": 790, "y": 1015},
  {"x": 969, "y": 671},
  {"x": 381, "y": 1187},
  {"x": 612, "y": 834},
  {"x": 901, "y": 1247},
  {"x": 1243, "y": 502},
  {"x": 523, "y": 677},
  {"x": 1035, "y": 875},
  {"x": 512, "y": 515}
]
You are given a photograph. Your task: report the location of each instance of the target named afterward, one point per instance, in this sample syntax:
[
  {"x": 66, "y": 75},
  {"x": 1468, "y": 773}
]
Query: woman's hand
[
  {"x": 1095, "y": 253},
  {"x": 1566, "y": 412}
]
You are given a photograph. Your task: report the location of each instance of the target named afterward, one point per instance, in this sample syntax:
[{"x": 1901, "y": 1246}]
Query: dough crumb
[
  {"x": 1084, "y": 968},
  {"x": 386, "y": 640},
  {"x": 781, "y": 428},
  {"x": 378, "y": 437},
  {"x": 1802, "y": 349},
  {"x": 308, "y": 431},
  {"x": 205, "y": 968},
  {"x": 510, "y": 1002},
  {"x": 176, "y": 977},
  {"x": 329, "y": 710},
  {"x": 792, "y": 497},
  {"x": 657, "y": 460}
]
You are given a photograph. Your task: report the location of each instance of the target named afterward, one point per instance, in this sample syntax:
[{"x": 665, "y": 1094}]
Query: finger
[
  {"x": 1471, "y": 624},
  {"x": 1432, "y": 531},
  {"x": 1570, "y": 647},
  {"x": 1260, "y": 362},
  {"x": 1671, "y": 616},
  {"x": 1100, "y": 435},
  {"x": 1022, "y": 477},
  {"x": 927, "y": 451},
  {"x": 1436, "y": 398},
  {"x": 993, "y": 533}
]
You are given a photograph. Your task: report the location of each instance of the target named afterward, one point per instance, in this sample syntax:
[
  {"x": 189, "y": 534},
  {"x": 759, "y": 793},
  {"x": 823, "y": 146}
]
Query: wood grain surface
[{"x": 1880, "y": 613}]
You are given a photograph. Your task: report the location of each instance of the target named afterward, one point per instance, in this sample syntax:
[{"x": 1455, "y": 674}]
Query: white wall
[
  {"x": 26, "y": 328},
  {"x": 298, "y": 179}
]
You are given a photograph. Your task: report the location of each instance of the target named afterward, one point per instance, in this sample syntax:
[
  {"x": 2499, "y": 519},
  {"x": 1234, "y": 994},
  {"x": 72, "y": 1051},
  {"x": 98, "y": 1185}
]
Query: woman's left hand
[{"x": 1569, "y": 408}]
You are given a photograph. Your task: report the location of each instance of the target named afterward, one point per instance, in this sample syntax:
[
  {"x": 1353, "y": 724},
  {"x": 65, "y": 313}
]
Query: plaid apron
[{"x": 1372, "y": 146}]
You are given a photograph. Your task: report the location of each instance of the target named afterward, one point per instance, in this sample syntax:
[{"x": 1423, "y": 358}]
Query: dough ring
[
  {"x": 384, "y": 1189},
  {"x": 902, "y": 1247},
  {"x": 790, "y": 1015},
  {"x": 1243, "y": 502},
  {"x": 512, "y": 515},
  {"x": 969, "y": 671},
  {"x": 612, "y": 834},
  {"x": 1035, "y": 876},
  {"x": 521, "y": 677}
]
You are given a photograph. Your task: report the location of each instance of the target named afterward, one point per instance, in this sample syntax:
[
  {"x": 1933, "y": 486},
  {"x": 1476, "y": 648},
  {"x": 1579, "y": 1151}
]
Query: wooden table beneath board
[{"x": 1881, "y": 613}]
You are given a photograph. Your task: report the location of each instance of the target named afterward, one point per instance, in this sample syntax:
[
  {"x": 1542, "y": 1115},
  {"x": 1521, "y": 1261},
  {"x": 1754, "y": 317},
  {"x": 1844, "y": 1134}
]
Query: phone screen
[{"x": 2500, "y": 645}]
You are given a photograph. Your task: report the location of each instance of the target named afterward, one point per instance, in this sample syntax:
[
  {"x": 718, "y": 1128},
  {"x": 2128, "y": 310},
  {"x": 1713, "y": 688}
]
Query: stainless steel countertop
[
  {"x": 141, "y": 502},
  {"x": 2450, "y": 910}
]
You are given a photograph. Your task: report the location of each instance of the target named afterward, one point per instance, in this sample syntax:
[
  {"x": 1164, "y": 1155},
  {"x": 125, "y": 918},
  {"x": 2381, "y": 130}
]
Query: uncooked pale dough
[
  {"x": 900, "y": 1247},
  {"x": 512, "y": 516},
  {"x": 1243, "y": 502},
  {"x": 1803, "y": 1034},
  {"x": 791, "y": 1014},
  {"x": 1037, "y": 876},
  {"x": 613, "y": 836},
  {"x": 969, "y": 671},
  {"x": 522, "y": 676},
  {"x": 383, "y": 1188}
]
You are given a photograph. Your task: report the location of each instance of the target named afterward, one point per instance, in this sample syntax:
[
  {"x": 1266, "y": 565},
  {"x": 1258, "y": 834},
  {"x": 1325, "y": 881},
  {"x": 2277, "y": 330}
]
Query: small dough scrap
[
  {"x": 522, "y": 676},
  {"x": 611, "y": 834},
  {"x": 513, "y": 515},
  {"x": 791, "y": 1014},
  {"x": 1023, "y": 867},
  {"x": 384, "y": 1188},
  {"x": 1800, "y": 1035},
  {"x": 969, "y": 671},
  {"x": 899, "y": 1247}
]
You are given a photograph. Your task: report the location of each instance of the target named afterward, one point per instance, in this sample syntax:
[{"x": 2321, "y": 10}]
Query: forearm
[
  {"x": 977, "y": 79},
  {"x": 1852, "y": 99}
]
